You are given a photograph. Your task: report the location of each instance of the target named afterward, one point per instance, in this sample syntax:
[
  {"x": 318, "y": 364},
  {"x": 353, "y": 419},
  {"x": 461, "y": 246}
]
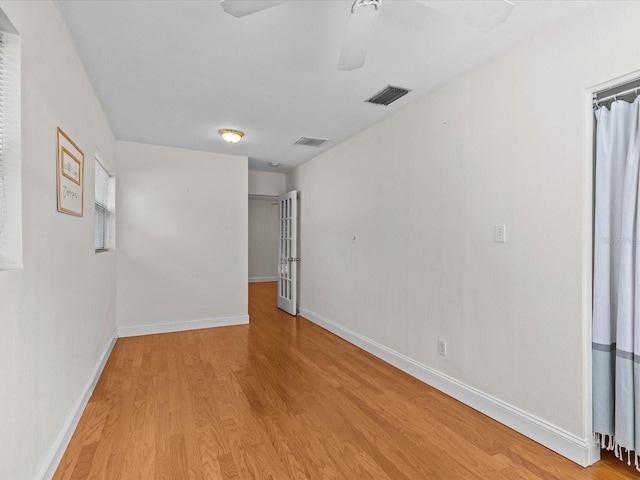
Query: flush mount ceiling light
[
  {"x": 231, "y": 136},
  {"x": 274, "y": 164}
]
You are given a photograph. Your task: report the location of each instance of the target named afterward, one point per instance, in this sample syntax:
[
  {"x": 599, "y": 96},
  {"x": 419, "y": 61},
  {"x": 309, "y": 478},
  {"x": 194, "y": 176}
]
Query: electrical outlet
[
  {"x": 442, "y": 347},
  {"x": 500, "y": 233}
]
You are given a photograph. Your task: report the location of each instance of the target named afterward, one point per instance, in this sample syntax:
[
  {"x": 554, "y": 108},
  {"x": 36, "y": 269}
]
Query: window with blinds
[
  {"x": 10, "y": 148},
  {"x": 3, "y": 195},
  {"x": 104, "y": 209}
]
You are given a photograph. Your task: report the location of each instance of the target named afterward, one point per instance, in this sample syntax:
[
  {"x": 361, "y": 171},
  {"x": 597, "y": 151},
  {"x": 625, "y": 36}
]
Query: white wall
[
  {"x": 263, "y": 240},
  {"x": 181, "y": 224},
  {"x": 58, "y": 312},
  {"x": 422, "y": 191},
  {"x": 267, "y": 183}
]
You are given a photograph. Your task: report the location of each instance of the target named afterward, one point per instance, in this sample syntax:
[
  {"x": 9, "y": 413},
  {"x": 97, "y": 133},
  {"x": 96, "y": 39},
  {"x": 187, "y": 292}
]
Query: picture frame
[{"x": 70, "y": 168}]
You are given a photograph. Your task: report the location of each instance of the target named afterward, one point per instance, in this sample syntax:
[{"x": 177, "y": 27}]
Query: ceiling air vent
[
  {"x": 388, "y": 95},
  {"x": 310, "y": 142}
]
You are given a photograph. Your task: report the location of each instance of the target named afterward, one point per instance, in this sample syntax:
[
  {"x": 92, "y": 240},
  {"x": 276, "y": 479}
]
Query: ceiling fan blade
[
  {"x": 241, "y": 8},
  {"x": 362, "y": 22},
  {"x": 481, "y": 14}
]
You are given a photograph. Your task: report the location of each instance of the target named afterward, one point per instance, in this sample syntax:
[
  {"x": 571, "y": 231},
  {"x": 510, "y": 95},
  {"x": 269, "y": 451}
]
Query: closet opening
[{"x": 611, "y": 268}]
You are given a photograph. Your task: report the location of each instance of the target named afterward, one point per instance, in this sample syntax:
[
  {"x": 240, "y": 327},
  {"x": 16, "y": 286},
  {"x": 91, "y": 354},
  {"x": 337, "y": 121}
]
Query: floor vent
[
  {"x": 310, "y": 142},
  {"x": 388, "y": 95}
]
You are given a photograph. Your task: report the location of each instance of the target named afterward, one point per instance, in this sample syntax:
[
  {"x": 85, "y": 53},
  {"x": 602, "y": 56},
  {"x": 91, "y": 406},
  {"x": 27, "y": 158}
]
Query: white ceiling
[{"x": 175, "y": 72}]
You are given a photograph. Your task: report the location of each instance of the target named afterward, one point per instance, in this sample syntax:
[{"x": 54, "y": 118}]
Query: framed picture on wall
[{"x": 70, "y": 175}]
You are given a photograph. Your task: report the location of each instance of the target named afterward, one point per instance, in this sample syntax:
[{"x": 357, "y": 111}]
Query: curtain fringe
[{"x": 608, "y": 442}]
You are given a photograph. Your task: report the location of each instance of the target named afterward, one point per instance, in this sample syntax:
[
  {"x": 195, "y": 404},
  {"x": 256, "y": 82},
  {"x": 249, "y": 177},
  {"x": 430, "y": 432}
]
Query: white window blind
[
  {"x": 10, "y": 151},
  {"x": 104, "y": 209},
  {"x": 3, "y": 194}
]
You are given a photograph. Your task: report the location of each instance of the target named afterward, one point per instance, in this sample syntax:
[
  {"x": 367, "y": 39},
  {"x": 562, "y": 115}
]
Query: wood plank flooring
[{"x": 284, "y": 399}]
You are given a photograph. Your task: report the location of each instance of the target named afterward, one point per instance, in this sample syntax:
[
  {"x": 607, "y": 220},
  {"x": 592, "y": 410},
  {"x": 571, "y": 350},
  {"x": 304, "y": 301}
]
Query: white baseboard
[
  {"x": 262, "y": 279},
  {"x": 52, "y": 460},
  {"x": 594, "y": 454},
  {"x": 182, "y": 326},
  {"x": 581, "y": 451}
]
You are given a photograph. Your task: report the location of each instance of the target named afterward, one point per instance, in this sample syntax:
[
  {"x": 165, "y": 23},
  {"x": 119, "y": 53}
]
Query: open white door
[{"x": 288, "y": 271}]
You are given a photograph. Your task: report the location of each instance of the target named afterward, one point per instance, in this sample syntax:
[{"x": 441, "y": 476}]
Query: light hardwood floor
[{"x": 284, "y": 399}]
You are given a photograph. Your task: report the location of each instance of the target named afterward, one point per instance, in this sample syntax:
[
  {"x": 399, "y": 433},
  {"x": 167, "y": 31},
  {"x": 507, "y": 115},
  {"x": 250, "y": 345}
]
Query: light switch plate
[{"x": 442, "y": 347}]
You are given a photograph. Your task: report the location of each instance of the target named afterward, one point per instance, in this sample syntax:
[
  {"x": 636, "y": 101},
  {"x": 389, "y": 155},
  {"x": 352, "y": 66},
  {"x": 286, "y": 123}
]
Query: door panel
[{"x": 288, "y": 256}]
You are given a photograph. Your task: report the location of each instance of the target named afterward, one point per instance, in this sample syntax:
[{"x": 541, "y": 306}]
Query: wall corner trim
[
  {"x": 580, "y": 451},
  {"x": 181, "y": 326},
  {"x": 48, "y": 468}
]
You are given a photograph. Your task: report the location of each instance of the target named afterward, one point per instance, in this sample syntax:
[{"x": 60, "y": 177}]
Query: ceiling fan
[{"x": 481, "y": 14}]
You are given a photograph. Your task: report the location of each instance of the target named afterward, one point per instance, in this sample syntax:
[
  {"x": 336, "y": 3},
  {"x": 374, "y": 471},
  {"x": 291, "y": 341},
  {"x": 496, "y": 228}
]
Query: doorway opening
[
  {"x": 601, "y": 96},
  {"x": 273, "y": 245},
  {"x": 263, "y": 238}
]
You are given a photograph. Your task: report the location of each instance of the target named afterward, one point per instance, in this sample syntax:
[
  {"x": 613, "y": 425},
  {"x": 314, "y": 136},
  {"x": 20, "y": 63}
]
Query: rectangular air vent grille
[
  {"x": 388, "y": 95},
  {"x": 310, "y": 142}
]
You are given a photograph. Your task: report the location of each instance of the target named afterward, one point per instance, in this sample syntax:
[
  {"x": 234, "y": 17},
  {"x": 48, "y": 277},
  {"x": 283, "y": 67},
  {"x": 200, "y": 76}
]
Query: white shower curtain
[{"x": 616, "y": 282}]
